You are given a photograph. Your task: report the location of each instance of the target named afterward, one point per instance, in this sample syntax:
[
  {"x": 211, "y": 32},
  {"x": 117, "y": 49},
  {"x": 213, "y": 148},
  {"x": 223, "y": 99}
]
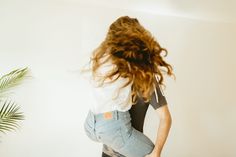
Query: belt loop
[{"x": 117, "y": 115}]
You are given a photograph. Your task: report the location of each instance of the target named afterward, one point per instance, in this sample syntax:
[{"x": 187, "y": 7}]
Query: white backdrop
[{"x": 55, "y": 39}]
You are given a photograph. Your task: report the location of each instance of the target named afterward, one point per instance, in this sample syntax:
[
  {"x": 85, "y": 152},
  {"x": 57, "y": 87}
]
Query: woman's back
[{"x": 106, "y": 98}]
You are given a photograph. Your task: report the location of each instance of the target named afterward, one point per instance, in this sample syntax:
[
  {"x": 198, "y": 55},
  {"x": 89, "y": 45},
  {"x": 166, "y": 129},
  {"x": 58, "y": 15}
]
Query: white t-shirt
[{"x": 104, "y": 97}]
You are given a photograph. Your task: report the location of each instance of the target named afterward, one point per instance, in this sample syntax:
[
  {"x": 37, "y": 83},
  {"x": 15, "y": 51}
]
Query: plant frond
[
  {"x": 9, "y": 116},
  {"x": 12, "y": 79}
]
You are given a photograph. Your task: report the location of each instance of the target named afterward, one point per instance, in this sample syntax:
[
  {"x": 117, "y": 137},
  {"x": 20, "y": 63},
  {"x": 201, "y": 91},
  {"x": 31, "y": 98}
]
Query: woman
[{"x": 125, "y": 67}]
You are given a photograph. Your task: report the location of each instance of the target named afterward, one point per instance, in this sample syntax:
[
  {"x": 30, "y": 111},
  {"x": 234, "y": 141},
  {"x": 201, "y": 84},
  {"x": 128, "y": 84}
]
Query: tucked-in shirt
[{"x": 103, "y": 97}]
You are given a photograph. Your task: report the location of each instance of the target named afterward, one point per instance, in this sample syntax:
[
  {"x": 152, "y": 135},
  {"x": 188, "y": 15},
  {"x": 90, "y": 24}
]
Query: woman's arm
[{"x": 163, "y": 130}]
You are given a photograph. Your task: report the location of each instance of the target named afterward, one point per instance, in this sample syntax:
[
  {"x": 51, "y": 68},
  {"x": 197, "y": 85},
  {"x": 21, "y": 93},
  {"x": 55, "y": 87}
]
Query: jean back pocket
[{"x": 112, "y": 137}]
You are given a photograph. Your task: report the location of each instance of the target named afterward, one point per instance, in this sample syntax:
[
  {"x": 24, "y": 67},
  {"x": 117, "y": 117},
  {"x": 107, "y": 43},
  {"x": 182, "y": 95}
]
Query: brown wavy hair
[{"x": 136, "y": 56}]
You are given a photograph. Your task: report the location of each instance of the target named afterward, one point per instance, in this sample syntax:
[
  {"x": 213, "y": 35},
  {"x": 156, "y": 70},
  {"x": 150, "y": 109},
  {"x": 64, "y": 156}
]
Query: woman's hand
[{"x": 153, "y": 154}]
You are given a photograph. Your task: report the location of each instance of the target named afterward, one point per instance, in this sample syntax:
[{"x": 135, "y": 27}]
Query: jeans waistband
[{"x": 115, "y": 115}]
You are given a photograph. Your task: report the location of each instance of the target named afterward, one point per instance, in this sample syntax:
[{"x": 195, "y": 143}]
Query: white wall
[{"x": 54, "y": 40}]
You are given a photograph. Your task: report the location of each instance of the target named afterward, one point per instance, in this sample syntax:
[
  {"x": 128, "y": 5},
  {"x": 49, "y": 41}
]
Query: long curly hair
[{"x": 136, "y": 56}]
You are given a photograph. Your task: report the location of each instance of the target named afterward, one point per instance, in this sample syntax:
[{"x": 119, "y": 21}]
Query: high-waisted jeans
[{"x": 114, "y": 129}]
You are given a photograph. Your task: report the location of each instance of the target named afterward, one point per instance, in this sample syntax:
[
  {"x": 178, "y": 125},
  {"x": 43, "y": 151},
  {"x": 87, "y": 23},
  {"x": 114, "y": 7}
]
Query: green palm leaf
[
  {"x": 9, "y": 111},
  {"x": 11, "y": 79},
  {"x": 9, "y": 116}
]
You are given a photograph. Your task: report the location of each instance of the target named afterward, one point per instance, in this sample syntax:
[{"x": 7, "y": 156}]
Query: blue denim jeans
[{"x": 114, "y": 129}]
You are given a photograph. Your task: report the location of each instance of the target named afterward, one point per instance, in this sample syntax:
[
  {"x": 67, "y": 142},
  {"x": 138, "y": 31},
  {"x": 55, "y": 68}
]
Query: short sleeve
[{"x": 158, "y": 98}]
